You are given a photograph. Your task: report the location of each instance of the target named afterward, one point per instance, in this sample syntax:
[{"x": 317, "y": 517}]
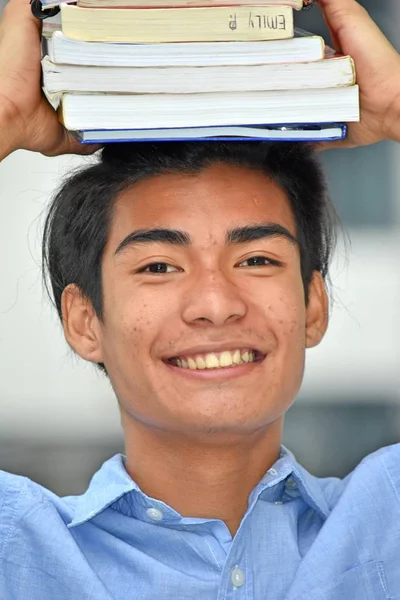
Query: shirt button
[
  {"x": 154, "y": 513},
  {"x": 272, "y": 472},
  {"x": 237, "y": 577},
  {"x": 278, "y": 502}
]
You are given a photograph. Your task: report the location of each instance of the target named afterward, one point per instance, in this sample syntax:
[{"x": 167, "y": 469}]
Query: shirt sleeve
[{"x": 11, "y": 490}]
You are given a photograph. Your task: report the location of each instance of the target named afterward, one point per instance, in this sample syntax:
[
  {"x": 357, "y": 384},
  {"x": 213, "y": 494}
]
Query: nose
[{"x": 213, "y": 299}]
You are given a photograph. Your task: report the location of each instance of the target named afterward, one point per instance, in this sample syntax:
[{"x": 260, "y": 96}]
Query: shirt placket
[{"x": 236, "y": 579}]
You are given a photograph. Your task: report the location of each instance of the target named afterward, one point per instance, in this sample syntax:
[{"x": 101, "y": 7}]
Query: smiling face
[{"x": 205, "y": 324}]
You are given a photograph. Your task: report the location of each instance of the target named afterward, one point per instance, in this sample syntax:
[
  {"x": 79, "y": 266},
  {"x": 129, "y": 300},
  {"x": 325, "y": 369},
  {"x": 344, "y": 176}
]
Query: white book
[
  {"x": 327, "y": 73},
  {"x": 153, "y": 111},
  {"x": 63, "y": 50}
]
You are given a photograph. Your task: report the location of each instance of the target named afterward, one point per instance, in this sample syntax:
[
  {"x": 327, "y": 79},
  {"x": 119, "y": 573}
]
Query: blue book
[{"x": 288, "y": 133}]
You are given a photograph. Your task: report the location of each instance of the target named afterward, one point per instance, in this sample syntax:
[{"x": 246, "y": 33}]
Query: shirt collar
[
  {"x": 109, "y": 484},
  {"x": 112, "y": 483},
  {"x": 286, "y": 480},
  {"x": 310, "y": 488}
]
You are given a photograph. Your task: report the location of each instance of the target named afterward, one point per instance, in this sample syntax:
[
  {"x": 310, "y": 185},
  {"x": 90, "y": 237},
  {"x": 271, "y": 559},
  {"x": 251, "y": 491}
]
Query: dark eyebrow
[
  {"x": 251, "y": 233},
  {"x": 239, "y": 235},
  {"x": 149, "y": 236}
]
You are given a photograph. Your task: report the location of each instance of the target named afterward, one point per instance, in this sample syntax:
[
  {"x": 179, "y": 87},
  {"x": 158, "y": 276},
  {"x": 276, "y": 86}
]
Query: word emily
[{"x": 260, "y": 21}]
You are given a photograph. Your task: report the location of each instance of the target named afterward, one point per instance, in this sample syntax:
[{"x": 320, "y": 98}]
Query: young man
[{"x": 194, "y": 276}]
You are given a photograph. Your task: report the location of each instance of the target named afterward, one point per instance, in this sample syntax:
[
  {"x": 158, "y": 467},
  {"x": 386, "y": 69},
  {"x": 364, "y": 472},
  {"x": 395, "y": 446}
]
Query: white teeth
[
  {"x": 236, "y": 357},
  {"x": 226, "y": 359},
  {"x": 216, "y": 360},
  {"x": 192, "y": 363},
  {"x": 212, "y": 361},
  {"x": 200, "y": 362}
]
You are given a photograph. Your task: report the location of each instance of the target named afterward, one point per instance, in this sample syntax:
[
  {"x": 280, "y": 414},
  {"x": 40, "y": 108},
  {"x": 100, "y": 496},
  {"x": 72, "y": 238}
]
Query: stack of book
[{"x": 215, "y": 69}]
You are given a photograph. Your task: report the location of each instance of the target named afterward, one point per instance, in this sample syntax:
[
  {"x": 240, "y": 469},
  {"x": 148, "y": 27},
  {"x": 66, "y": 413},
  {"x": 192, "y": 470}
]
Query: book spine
[{"x": 241, "y": 23}]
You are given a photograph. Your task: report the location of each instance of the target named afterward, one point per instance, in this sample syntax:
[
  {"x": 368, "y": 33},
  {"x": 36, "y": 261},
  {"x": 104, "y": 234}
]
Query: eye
[
  {"x": 257, "y": 261},
  {"x": 158, "y": 268}
]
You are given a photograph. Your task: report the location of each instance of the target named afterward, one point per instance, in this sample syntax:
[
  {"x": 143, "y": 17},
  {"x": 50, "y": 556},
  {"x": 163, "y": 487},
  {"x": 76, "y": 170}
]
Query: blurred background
[{"x": 58, "y": 416}]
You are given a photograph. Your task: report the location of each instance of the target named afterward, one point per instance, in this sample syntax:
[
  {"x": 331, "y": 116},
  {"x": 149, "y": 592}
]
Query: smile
[{"x": 217, "y": 360}]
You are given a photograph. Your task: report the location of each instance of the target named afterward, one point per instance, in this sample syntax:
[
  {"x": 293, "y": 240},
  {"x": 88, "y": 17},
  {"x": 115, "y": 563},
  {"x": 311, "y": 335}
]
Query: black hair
[{"x": 79, "y": 218}]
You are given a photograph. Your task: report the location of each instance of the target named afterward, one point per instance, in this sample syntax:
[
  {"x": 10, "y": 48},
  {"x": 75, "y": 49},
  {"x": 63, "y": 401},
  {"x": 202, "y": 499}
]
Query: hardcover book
[{"x": 300, "y": 133}]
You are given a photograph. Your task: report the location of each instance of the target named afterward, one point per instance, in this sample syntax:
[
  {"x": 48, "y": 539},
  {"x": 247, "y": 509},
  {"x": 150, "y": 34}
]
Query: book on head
[
  {"x": 153, "y": 111},
  {"x": 295, "y": 4},
  {"x": 324, "y": 132},
  {"x": 239, "y": 23},
  {"x": 46, "y": 4},
  {"x": 301, "y": 48},
  {"x": 330, "y": 73}
]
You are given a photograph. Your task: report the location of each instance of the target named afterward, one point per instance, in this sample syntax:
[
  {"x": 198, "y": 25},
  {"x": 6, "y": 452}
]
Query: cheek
[
  {"x": 288, "y": 320},
  {"x": 126, "y": 345},
  {"x": 131, "y": 331},
  {"x": 127, "y": 320},
  {"x": 294, "y": 320},
  {"x": 134, "y": 320},
  {"x": 285, "y": 306},
  {"x": 288, "y": 360}
]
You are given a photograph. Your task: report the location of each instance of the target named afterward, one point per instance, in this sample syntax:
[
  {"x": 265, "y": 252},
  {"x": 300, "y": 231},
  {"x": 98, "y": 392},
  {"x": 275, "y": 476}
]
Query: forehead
[{"x": 205, "y": 204}]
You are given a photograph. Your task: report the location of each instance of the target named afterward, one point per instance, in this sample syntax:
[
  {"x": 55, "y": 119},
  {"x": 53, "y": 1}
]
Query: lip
[{"x": 214, "y": 348}]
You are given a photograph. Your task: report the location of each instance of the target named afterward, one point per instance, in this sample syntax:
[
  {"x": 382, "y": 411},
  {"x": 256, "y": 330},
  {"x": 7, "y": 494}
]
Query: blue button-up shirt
[{"x": 301, "y": 538}]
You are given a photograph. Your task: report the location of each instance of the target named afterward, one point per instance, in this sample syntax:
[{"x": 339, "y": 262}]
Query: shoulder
[
  {"x": 19, "y": 496},
  {"x": 378, "y": 472},
  {"x": 382, "y": 466},
  {"x": 356, "y": 552},
  {"x": 23, "y": 490},
  {"x": 377, "y": 475}
]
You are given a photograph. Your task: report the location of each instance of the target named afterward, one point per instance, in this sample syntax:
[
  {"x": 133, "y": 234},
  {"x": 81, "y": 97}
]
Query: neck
[{"x": 206, "y": 479}]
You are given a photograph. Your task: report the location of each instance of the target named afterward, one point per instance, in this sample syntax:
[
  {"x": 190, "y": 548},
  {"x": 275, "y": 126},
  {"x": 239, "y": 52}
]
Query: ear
[
  {"x": 81, "y": 325},
  {"x": 317, "y": 311}
]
